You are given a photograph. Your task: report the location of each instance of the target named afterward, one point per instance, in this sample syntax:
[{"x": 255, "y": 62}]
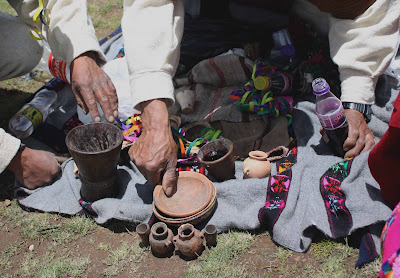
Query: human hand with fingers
[
  {"x": 360, "y": 137},
  {"x": 35, "y": 168},
  {"x": 91, "y": 85},
  {"x": 154, "y": 153}
]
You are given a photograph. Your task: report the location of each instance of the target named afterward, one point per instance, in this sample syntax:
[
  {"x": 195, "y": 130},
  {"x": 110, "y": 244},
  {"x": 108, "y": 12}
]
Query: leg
[{"x": 19, "y": 52}]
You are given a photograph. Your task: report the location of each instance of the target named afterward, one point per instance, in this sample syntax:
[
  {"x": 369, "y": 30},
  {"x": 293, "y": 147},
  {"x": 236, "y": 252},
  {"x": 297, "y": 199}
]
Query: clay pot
[
  {"x": 189, "y": 241},
  {"x": 256, "y": 165},
  {"x": 210, "y": 233},
  {"x": 186, "y": 100},
  {"x": 143, "y": 231},
  {"x": 161, "y": 239},
  {"x": 217, "y": 158},
  {"x": 175, "y": 121},
  {"x": 96, "y": 149}
]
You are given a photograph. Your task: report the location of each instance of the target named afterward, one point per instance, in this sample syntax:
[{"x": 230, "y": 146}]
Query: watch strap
[
  {"x": 364, "y": 109},
  {"x": 21, "y": 147}
]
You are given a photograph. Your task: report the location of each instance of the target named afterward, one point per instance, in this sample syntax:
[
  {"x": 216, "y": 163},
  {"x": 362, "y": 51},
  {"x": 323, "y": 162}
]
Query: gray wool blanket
[
  {"x": 240, "y": 200},
  {"x": 249, "y": 204}
]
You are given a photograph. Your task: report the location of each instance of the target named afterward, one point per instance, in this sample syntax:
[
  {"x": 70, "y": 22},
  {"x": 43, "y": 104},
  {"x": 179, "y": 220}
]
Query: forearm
[
  {"x": 152, "y": 35},
  {"x": 8, "y": 147},
  {"x": 363, "y": 48}
]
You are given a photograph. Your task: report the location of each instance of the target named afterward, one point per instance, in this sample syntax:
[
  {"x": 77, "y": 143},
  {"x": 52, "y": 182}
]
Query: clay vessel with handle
[
  {"x": 256, "y": 165},
  {"x": 189, "y": 241}
]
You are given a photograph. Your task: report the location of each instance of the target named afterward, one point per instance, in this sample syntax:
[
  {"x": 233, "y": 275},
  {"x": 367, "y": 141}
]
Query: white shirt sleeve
[
  {"x": 152, "y": 34},
  {"x": 364, "y": 47},
  {"x": 8, "y": 148},
  {"x": 71, "y": 32}
]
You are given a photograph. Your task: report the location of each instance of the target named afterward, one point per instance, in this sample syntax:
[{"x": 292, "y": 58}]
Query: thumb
[{"x": 169, "y": 181}]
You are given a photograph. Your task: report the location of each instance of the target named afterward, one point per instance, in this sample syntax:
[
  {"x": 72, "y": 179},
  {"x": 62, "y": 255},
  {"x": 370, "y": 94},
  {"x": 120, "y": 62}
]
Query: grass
[
  {"x": 331, "y": 257},
  {"x": 49, "y": 266},
  {"x": 40, "y": 226},
  {"x": 105, "y": 16},
  {"x": 6, "y": 8},
  {"x": 221, "y": 261},
  {"x": 125, "y": 256}
]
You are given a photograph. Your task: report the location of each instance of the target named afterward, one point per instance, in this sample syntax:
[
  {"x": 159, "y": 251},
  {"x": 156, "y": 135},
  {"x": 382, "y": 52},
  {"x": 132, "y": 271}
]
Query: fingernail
[
  {"x": 168, "y": 191},
  {"x": 115, "y": 114},
  {"x": 97, "y": 119},
  {"x": 84, "y": 111},
  {"x": 111, "y": 119}
]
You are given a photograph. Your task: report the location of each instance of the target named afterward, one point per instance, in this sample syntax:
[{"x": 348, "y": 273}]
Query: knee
[{"x": 19, "y": 52}]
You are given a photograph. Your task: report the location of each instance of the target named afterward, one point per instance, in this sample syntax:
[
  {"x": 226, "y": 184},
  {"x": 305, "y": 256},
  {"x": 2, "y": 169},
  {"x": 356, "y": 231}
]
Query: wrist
[
  {"x": 155, "y": 114},
  {"x": 92, "y": 55},
  {"x": 364, "y": 109},
  {"x": 15, "y": 163}
]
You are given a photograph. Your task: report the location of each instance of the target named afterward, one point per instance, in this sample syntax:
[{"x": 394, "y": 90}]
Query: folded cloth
[
  {"x": 213, "y": 80},
  {"x": 255, "y": 135}
]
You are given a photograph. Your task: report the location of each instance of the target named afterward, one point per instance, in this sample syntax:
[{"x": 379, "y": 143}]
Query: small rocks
[
  {"x": 31, "y": 248},
  {"x": 7, "y": 203}
]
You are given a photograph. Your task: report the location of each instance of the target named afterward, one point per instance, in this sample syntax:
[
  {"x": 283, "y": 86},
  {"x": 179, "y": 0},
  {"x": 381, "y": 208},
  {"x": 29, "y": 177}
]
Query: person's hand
[
  {"x": 34, "y": 168},
  {"x": 90, "y": 84},
  {"x": 154, "y": 153},
  {"x": 360, "y": 138}
]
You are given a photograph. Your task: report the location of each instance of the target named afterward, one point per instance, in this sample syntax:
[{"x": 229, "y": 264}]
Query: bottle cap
[
  {"x": 287, "y": 51},
  {"x": 262, "y": 83},
  {"x": 320, "y": 86}
]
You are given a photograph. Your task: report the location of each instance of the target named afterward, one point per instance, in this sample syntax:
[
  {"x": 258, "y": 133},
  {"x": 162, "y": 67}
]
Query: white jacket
[
  {"x": 362, "y": 48},
  {"x": 152, "y": 34}
]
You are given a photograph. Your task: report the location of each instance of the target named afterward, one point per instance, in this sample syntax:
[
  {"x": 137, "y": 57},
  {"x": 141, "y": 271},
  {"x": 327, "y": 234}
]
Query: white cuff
[
  {"x": 152, "y": 85},
  {"x": 9, "y": 146},
  {"x": 359, "y": 89}
]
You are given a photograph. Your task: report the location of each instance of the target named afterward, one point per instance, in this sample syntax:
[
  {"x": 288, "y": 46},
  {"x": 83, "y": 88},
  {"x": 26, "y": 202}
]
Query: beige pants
[{"x": 19, "y": 52}]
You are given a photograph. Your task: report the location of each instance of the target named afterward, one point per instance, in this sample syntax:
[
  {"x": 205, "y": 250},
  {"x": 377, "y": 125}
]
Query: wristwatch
[
  {"x": 21, "y": 147},
  {"x": 365, "y": 109}
]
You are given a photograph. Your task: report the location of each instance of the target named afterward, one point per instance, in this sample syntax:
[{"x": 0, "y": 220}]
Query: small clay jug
[
  {"x": 161, "y": 239},
  {"x": 189, "y": 241},
  {"x": 143, "y": 231},
  {"x": 256, "y": 165}
]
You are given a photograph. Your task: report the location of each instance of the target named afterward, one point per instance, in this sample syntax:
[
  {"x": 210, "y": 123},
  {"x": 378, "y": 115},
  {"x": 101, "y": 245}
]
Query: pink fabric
[{"x": 391, "y": 246}]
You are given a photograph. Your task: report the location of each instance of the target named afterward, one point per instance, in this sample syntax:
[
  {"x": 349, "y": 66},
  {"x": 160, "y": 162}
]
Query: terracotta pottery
[
  {"x": 193, "y": 130},
  {"x": 217, "y": 157},
  {"x": 210, "y": 233},
  {"x": 189, "y": 241},
  {"x": 186, "y": 100},
  {"x": 194, "y": 192},
  {"x": 277, "y": 153},
  {"x": 193, "y": 219},
  {"x": 96, "y": 148},
  {"x": 143, "y": 231},
  {"x": 256, "y": 165},
  {"x": 175, "y": 121},
  {"x": 161, "y": 239}
]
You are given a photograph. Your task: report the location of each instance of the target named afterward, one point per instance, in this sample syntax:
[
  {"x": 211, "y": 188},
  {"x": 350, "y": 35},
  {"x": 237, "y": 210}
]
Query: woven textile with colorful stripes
[
  {"x": 249, "y": 98},
  {"x": 340, "y": 219}
]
